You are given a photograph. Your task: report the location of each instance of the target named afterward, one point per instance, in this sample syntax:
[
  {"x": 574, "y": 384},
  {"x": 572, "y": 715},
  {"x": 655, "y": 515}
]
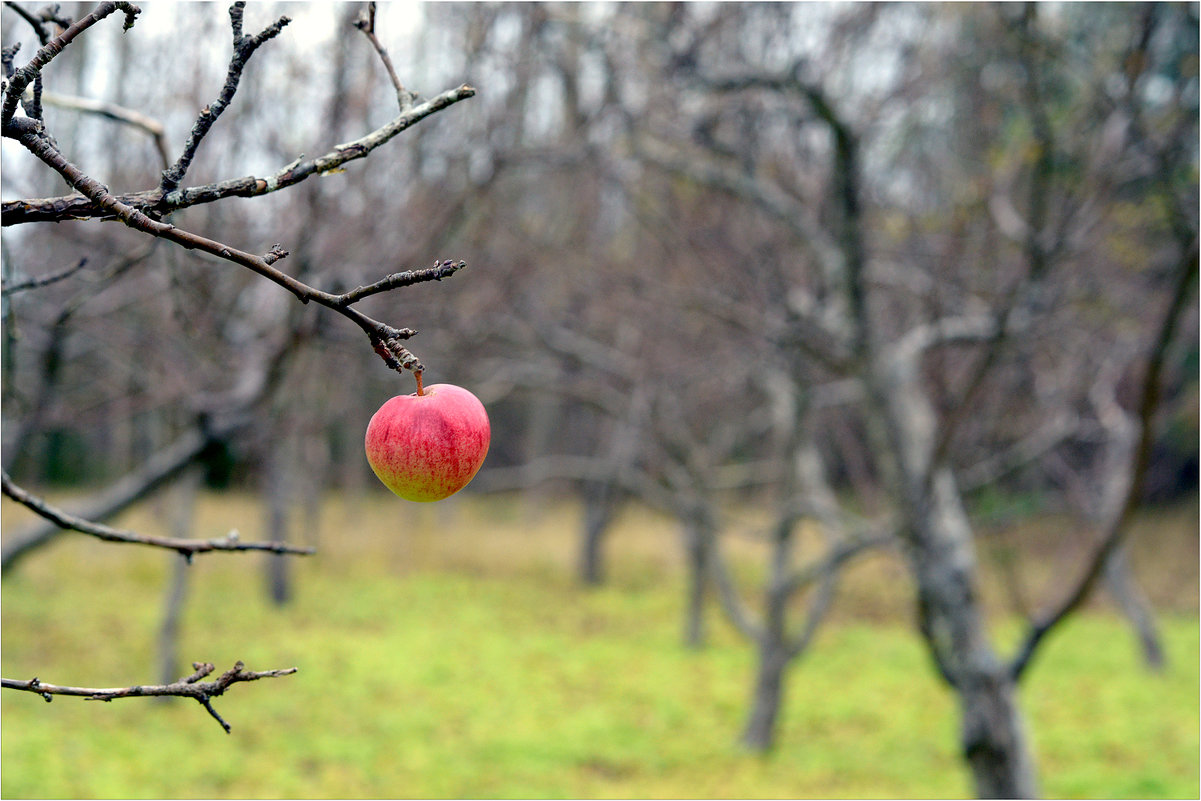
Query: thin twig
[
  {"x": 38, "y": 283},
  {"x": 23, "y": 76},
  {"x": 244, "y": 48},
  {"x": 188, "y": 687},
  {"x": 366, "y": 24},
  {"x": 440, "y": 270},
  {"x": 186, "y": 547},
  {"x": 384, "y": 338},
  {"x": 79, "y": 206},
  {"x": 117, "y": 114}
]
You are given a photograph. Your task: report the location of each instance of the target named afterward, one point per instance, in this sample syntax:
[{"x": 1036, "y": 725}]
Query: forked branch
[
  {"x": 366, "y": 24},
  {"x": 79, "y": 206},
  {"x": 384, "y": 338},
  {"x": 33, "y": 70},
  {"x": 187, "y": 687},
  {"x": 244, "y": 47},
  {"x": 1115, "y": 528}
]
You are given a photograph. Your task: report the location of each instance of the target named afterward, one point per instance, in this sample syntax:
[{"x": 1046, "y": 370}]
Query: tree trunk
[
  {"x": 774, "y": 653},
  {"x": 1121, "y": 586},
  {"x": 592, "y": 569},
  {"x": 698, "y": 548},
  {"x": 942, "y": 557},
  {"x": 993, "y": 735},
  {"x": 760, "y": 732},
  {"x": 280, "y": 465},
  {"x": 168, "y": 637},
  {"x": 599, "y": 507},
  {"x": 182, "y": 502},
  {"x": 992, "y": 732}
]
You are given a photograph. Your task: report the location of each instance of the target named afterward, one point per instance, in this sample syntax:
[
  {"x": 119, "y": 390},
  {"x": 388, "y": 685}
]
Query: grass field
[{"x": 445, "y": 651}]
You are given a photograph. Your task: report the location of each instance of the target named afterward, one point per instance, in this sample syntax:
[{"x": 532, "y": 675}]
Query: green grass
[{"x": 445, "y": 652}]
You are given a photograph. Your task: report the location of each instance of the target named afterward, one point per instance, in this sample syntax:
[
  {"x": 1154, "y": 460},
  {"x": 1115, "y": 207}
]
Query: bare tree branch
[
  {"x": 38, "y": 283},
  {"x": 1116, "y": 527},
  {"x": 818, "y": 608},
  {"x": 731, "y": 603},
  {"x": 154, "y": 472},
  {"x": 116, "y": 113},
  {"x": 440, "y": 270},
  {"x": 244, "y": 48},
  {"x": 187, "y": 687},
  {"x": 35, "y": 22},
  {"x": 154, "y": 201},
  {"x": 384, "y": 338},
  {"x": 24, "y": 75},
  {"x": 366, "y": 24},
  {"x": 185, "y": 547},
  {"x": 835, "y": 558}
]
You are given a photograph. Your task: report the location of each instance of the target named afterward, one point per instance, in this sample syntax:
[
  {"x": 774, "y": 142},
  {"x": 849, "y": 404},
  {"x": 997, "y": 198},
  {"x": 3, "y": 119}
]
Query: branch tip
[
  {"x": 204, "y": 701},
  {"x": 190, "y": 687}
]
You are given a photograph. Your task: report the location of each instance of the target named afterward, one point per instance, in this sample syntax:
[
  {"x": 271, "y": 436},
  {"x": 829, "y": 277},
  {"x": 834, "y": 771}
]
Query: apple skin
[{"x": 428, "y": 447}]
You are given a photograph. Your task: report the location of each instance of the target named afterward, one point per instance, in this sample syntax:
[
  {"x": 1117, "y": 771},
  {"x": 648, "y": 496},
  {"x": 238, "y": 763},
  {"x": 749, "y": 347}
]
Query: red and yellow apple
[{"x": 428, "y": 445}]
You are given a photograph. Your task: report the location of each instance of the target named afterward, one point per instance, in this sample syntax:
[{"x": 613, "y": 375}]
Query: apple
[{"x": 428, "y": 445}]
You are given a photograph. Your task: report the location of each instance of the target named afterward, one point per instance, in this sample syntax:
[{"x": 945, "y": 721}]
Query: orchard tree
[
  {"x": 897, "y": 256},
  {"x": 263, "y": 334},
  {"x": 886, "y": 321}
]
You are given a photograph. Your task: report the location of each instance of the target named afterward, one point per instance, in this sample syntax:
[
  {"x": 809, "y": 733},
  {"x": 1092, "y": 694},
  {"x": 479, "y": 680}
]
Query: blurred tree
[
  {"x": 858, "y": 324},
  {"x": 919, "y": 254}
]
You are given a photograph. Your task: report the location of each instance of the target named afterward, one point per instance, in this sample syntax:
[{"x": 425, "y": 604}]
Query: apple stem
[{"x": 420, "y": 388}]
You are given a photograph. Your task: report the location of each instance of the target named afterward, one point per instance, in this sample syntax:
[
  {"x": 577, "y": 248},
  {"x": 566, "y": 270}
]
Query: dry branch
[
  {"x": 366, "y": 24},
  {"x": 154, "y": 201},
  {"x": 38, "y": 283},
  {"x": 154, "y": 472},
  {"x": 1124, "y": 506},
  {"x": 31, "y": 71},
  {"x": 186, "y": 547},
  {"x": 384, "y": 338},
  {"x": 35, "y": 22},
  {"x": 188, "y": 687},
  {"x": 244, "y": 48},
  {"x": 145, "y": 215},
  {"x": 440, "y": 270}
]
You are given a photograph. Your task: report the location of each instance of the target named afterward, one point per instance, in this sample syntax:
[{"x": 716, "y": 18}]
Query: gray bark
[
  {"x": 1134, "y": 605},
  {"x": 774, "y": 651},
  {"x": 281, "y": 465},
  {"x": 943, "y": 561},
  {"x": 182, "y": 500},
  {"x": 599, "y": 507},
  {"x": 766, "y": 699},
  {"x": 698, "y": 551}
]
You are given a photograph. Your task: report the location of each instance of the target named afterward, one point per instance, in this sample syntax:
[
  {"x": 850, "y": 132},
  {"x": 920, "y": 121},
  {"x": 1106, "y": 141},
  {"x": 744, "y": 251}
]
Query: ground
[{"x": 445, "y": 651}]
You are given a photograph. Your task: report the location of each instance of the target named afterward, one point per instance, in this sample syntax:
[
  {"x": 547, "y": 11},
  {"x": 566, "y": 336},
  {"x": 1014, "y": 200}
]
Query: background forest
[{"x": 841, "y": 362}]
